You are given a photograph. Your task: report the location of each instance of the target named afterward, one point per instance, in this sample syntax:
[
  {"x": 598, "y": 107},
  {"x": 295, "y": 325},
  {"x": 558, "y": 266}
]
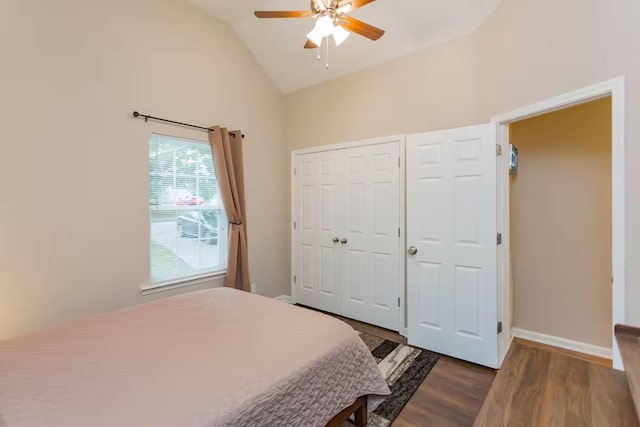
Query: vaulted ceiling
[{"x": 410, "y": 25}]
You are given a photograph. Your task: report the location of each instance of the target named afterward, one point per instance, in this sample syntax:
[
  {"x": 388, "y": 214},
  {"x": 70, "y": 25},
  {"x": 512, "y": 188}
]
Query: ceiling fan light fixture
[
  {"x": 315, "y": 36},
  {"x": 340, "y": 35},
  {"x": 331, "y": 20},
  {"x": 325, "y": 25}
]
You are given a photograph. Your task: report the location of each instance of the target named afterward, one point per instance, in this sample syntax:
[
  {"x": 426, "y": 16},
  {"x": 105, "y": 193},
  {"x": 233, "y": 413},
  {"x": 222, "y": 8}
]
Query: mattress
[{"x": 219, "y": 357}]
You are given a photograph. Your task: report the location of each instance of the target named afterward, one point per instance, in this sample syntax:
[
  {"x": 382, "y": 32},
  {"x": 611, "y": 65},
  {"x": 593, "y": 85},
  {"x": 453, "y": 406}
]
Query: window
[{"x": 188, "y": 223}]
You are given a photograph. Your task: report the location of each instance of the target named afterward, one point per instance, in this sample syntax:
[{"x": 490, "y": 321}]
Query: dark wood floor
[
  {"x": 450, "y": 396},
  {"x": 574, "y": 354},
  {"x": 538, "y": 385}
]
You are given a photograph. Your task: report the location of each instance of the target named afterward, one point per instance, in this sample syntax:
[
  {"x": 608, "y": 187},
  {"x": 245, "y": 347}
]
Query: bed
[{"x": 219, "y": 357}]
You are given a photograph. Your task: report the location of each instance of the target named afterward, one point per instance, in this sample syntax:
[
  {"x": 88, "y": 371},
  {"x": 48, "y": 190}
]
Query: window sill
[{"x": 182, "y": 283}]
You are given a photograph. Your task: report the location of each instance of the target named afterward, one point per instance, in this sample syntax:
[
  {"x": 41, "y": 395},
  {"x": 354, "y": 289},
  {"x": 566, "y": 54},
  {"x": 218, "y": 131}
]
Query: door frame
[
  {"x": 614, "y": 88},
  {"x": 401, "y": 140}
]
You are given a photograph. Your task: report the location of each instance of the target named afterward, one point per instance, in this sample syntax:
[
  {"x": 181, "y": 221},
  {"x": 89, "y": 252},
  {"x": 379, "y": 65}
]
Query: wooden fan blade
[
  {"x": 355, "y": 4},
  {"x": 362, "y": 28},
  {"x": 310, "y": 45},
  {"x": 284, "y": 14}
]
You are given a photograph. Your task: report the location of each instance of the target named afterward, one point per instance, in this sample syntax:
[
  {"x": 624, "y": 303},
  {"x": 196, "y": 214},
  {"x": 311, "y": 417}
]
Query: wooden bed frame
[{"x": 359, "y": 408}]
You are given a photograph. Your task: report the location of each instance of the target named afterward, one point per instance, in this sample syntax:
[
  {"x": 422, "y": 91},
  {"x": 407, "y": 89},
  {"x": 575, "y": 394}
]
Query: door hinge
[
  {"x": 398, "y": 302},
  {"x": 295, "y": 226},
  {"x": 398, "y": 161},
  {"x": 499, "y": 238},
  {"x": 398, "y": 231},
  {"x": 499, "y": 328},
  {"x": 498, "y": 150},
  {"x": 295, "y": 278},
  {"x": 295, "y": 171}
]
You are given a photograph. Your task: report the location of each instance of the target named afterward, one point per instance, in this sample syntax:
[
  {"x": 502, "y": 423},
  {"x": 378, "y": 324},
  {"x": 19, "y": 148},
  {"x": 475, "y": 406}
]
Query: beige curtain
[{"x": 227, "y": 156}]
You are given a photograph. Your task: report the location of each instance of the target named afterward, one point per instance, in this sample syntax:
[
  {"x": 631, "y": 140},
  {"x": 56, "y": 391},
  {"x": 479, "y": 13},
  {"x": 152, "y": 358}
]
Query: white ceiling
[{"x": 410, "y": 25}]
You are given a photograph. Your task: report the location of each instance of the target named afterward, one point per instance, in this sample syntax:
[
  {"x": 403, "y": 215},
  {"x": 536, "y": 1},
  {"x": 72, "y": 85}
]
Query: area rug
[{"x": 404, "y": 368}]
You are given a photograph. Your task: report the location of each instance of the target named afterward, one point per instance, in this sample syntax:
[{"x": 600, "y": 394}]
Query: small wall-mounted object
[{"x": 513, "y": 159}]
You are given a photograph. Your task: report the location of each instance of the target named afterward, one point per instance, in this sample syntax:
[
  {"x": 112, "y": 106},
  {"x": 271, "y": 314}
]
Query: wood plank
[
  {"x": 629, "y": 342},
  {"x": 605, "y": 391},
  {"x": 565, "y": 393},
  {"x": 627, "y": 330},
  {"x": 536, "y": 387},
  {"x": 450, "y": 396},
  {"x": 575, "y": 354}
]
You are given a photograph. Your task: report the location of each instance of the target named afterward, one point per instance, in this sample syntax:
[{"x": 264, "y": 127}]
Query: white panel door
[
  {"x": 371, "y": 241},
  {"x": 319, "y": 183},
  {"x": 451, "y": 222}
]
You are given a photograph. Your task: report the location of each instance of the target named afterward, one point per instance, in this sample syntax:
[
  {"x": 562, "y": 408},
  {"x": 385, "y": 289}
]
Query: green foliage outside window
[{"x": 180, "y": 171}]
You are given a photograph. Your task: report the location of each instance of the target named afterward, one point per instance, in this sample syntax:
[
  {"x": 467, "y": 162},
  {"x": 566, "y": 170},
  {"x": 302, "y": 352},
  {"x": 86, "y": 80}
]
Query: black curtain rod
[{"x": 147, "y": 118}]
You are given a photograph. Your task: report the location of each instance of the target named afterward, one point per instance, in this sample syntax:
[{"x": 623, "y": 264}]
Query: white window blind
[{"x": 188, "y": 223}]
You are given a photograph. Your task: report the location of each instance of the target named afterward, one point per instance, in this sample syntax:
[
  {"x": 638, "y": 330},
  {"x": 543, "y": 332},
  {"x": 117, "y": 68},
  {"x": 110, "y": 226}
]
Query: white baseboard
[
  {"x": 285, "y": 299},
  {"x": 567, "y": 344}
]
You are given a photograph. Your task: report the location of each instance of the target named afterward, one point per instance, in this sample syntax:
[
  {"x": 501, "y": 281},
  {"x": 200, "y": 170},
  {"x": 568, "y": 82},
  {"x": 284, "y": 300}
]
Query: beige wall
[
  {"x": 561, "y": 224},
  {"x": 525, "y": 52},
  {"x": 73, "y": 166}
]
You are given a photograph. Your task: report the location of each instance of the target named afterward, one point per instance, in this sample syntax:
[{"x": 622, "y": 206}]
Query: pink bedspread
[{"x": 214, "y": 358}]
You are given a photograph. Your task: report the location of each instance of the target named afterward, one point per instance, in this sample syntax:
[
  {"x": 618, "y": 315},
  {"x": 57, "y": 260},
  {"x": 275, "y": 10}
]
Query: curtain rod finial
[{"x": 136, "y": 114}]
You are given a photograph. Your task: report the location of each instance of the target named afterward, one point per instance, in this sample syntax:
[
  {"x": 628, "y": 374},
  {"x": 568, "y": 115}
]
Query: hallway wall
[{"x": 561, "y": 224}]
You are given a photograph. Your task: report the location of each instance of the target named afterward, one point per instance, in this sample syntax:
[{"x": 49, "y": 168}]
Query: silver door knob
[
  {"x": 343, "y": 241},
  {"x": 336, "y": 239},
  {"x": 412, "y": 250}
]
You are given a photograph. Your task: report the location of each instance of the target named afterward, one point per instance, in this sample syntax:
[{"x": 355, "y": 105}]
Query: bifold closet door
[
  {"x": 371, "y": 259},
  {"x": 319, "y": 215},
  {"x": 346, "y": 238},
  {"x": 452, "y": 239}
]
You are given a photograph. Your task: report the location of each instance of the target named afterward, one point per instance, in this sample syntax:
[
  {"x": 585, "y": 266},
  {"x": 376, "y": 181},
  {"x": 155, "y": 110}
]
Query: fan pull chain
[
  {"x": 318, "y": 57},
  {"x": 327, "y": 53}
]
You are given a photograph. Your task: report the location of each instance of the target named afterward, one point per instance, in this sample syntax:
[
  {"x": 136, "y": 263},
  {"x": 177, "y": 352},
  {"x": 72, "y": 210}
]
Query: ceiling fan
[{"x": 331, "y": 20}]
